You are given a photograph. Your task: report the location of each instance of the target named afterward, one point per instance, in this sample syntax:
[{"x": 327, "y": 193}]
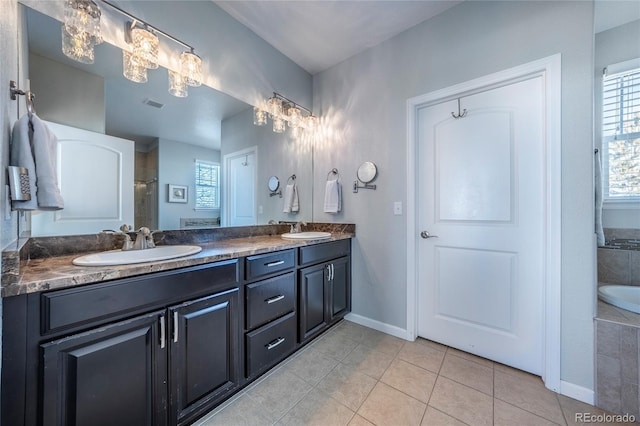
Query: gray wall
[
  {"x": 67, "y": 95},
  {"x": 279, "y": 155},
  {"x": 612, "y": 46},
  {"x": 363, "y": 104},
  {"x": 176, "y": 165}
]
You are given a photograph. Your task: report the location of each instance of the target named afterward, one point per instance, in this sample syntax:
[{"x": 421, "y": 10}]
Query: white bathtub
[{"x": 623, "y": 296}]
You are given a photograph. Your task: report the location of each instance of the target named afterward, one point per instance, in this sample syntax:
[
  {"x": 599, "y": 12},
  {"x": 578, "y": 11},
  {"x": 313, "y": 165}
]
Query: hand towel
[
  {"x": 22, "y": 156},
  {"x": 45, "y": 146},
  {"x": 34, "y": 146},
  {"x": 332, "y": 197},
  {"x": 291, "y": 202}
]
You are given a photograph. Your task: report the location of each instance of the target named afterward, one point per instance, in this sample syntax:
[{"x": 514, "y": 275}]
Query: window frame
[
  {"x": 217, "y": 185},
  {"x": 618, "y": 202}
]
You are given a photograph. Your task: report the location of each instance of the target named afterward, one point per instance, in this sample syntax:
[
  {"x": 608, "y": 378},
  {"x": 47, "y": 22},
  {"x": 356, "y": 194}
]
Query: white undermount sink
[
  {"x": 127, "y": 257},
  {"x": 306, "y": 235}
]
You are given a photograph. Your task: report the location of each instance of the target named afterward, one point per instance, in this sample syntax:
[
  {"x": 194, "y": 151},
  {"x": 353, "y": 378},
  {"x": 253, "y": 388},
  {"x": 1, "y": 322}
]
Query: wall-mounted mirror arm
[{"x": 367, "y": 173}]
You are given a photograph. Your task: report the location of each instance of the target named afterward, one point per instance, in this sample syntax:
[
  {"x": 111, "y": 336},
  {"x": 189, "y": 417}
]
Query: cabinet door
[
  {"x": 205, "y": 343},
  {"x": 313, "y": 300},
  {"x": 114, "y": 375},
  {"x": 340, "y": 289}
]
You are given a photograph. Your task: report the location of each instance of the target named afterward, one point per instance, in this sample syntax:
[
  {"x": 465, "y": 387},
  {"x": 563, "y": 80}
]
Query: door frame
[
  {"x": 226, "y": 211},
  {"x": 550, "y": 70}
]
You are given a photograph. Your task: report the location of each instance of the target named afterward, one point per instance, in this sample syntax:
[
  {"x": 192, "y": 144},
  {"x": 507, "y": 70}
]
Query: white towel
[
  {"x": 291, "y": 202},
  {"x": 333, "y": 197},
  {"x": 34, "y": 147}
]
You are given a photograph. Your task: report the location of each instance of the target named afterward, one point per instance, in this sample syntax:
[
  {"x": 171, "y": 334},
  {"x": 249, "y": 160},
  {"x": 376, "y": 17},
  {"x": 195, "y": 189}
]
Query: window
[
  {"x": 207, "y": 185},
  {"x": 621, "y": 135}
]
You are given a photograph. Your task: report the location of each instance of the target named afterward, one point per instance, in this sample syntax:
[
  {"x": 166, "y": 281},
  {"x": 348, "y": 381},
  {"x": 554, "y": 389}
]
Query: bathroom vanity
[{"x": 165, "y": 347}]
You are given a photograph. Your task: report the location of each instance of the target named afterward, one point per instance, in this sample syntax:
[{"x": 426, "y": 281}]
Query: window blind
[
  {"x": 621, "y": 134},
  {"x": 207, "y": 185}
]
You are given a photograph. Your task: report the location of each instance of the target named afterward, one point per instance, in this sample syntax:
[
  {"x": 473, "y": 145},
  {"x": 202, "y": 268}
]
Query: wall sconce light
[
  {"x": 298, "y": 122},
  {"x": 81, "y": 30}
]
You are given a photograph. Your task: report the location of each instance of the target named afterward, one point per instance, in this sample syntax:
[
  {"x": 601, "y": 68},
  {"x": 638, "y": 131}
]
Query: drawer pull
[
  {"x": 275, "y": 343},
  {"x": 270, "y": 264},
  {"x": 274, "y": 299},
  {"x": 162, "y": 333},
  {"x": 175, "y": 327}
]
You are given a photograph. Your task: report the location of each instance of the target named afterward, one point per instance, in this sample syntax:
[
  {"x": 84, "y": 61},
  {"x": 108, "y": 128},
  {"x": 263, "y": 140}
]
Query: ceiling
[{"x": 319, "y": 34}]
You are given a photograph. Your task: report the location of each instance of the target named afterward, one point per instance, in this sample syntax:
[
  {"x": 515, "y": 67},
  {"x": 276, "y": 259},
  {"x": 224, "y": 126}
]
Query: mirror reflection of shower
[{"x": 145, "y": 195}]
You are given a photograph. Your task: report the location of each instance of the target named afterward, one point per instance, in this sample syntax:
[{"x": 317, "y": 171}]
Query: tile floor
[{"x": 353, "y": 375}]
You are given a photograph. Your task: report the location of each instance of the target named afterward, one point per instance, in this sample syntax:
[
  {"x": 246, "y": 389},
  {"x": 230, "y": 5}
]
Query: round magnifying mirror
[
  {"x": 367, "y": 172},
  {"x": 274, "y": 183}
]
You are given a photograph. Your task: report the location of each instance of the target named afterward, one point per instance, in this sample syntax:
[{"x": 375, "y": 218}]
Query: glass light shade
[
  {"x": 83, "y": 16},
  {"x": 78, "y": 47},
  {"x": 191, "y": 66},
  {"x": 311, "y": 122},
  {"x": 145, "y": 47},
  {"x": 259, "y": 116},
  {"x": 294, "y": 117},
  {"x": 274, "y": 106},
  {"x": 177, "y": 85},
  {"x": 278, "y": 124},
  {"x": 132, "y": 68}
]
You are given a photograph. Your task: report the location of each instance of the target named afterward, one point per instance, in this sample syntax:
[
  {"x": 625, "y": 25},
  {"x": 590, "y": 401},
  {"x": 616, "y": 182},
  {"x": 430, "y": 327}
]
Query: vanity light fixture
[
  {"x": 81, "y": 30},
  {"x": 145, "y": 45},
  {"x": 282, "y": 111},
  {"x": 83, "y": 16},
  {"x": 191, "y": 68},
  {"x": 78, "y": 47},
  {"x": 144, "y": 49},
  {"x": 133, "y": 68},
  {"x": 177, "y": 85},
  {"x": 259, "y": 116}
]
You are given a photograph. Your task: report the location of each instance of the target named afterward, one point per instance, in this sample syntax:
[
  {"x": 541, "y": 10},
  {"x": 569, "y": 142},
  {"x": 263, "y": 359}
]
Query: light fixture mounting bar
[
  {"x": 279, "y": 96},
  {"x": 135, "y": 19}
]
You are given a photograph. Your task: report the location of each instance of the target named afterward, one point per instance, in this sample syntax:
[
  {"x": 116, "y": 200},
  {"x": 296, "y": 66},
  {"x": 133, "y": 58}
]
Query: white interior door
[
  {"x": 95, "y": 174},
  {"x": 481, "y": 191},
  {"x": 240, "y": 188}
]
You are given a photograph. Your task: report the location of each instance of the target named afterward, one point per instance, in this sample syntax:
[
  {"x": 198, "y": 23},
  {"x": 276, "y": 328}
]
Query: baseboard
[
  {"x": 380, "y": 326},
  {"x": 580, "y": 393}
]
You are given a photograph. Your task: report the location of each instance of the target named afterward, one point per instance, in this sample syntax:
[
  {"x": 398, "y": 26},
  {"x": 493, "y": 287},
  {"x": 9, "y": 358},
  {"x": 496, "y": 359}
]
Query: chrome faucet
[
  {"x": 144, "y": 239},
  {"x": 297, "y": 227},
  {"x": 128, "y": 244}
]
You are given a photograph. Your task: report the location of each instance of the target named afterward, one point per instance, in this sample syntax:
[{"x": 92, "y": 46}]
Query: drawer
[
  {"x": 270, "y": 299},
  {"x": 268, "y": 345},
  {"x": 267, "y": 264},
  {"x": 77, "y": 307},
  {"x": 320, "y": 252}
]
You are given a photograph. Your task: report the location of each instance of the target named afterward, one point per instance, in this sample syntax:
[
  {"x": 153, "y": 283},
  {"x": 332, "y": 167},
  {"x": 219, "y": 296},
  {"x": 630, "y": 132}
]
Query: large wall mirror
[{"x": 171, "y": 137}]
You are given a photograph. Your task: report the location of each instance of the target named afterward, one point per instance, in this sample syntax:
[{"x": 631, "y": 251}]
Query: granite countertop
[{"x": 56, "y": 272}]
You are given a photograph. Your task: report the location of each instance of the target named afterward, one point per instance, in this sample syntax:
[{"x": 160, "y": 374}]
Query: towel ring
[
  {"x": 333, "y": 171},
  {"x": 291, "y": 179}
]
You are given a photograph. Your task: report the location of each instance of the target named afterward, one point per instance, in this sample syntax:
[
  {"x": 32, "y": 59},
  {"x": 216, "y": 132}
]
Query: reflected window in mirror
[
  {"x": 207, "y": 185},
  {"x": 621, "y": 133}
]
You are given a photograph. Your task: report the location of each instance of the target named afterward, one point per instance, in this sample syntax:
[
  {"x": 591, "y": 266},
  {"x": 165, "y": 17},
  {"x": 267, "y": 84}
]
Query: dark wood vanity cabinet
[
  {"x": 270, "y": 308},
  {"x": 160, "y": 349},
  {"x": 163, "y": 349},
  {"x": 325, "y": 287},
  {"x": 114, "y": 374}
]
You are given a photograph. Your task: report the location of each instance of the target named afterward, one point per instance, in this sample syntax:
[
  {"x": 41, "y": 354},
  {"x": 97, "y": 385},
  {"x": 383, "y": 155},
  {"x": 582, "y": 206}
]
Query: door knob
[{"x": 425, "y": 235}]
